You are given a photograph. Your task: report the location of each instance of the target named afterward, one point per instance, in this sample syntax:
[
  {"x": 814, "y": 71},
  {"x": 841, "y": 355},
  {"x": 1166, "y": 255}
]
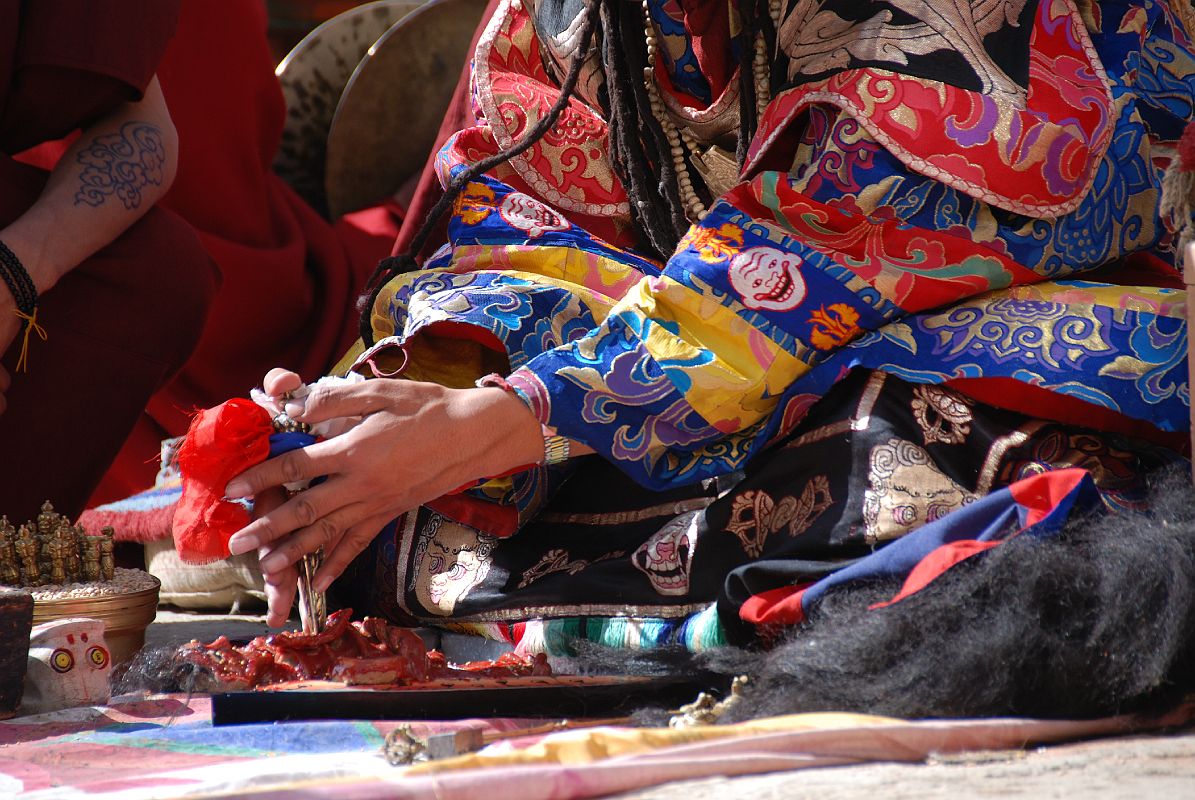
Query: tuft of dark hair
[
  {"x": 1095, "y": 622},
  {"x": 158, "y": 670}
]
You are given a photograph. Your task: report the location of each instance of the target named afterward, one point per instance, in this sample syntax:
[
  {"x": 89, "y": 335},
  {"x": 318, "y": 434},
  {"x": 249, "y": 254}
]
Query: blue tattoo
[{"x": 123, "y": 164}]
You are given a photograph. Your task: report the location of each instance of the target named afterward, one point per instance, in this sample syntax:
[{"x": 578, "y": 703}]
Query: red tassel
[
  {"x": 1186, "y": 149},
  {"x": 222, "y": 443},
  {"x": 1178, "y": 192}
]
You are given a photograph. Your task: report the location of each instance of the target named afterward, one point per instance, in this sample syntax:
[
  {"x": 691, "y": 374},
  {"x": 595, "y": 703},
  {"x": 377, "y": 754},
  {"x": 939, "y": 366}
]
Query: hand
[
  {"x": 31, "y": 259},
  {"x": 417, "y": 441},
  {"x": 280, "y": 586}
]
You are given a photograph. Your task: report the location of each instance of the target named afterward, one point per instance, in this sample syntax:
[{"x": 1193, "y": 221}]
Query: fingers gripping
[
  {"x": 349, "y": 546},
  {"x": 304, "y": 510},
  {"x": 347, "y": 400},
  {"x": 324, "y": 531},
  {"x": 298, "y": 465},
  {"x": 280, "y": 595}
]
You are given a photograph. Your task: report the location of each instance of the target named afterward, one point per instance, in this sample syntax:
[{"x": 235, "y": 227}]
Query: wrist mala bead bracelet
[{"x": 24, "y": 292}]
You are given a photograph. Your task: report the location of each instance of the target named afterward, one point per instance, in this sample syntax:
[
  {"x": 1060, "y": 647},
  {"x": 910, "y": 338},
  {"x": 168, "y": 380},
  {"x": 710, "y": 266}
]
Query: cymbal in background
[
  {"x": 313, "y": 77},
  {"x": 390, "y": 111}
]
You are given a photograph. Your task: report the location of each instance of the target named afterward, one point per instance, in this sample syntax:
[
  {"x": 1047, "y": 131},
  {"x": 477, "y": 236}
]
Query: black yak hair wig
[{"x": 1098, "y": 621}]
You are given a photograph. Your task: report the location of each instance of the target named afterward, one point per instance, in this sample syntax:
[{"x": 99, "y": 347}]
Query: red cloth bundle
[{"x": 222, "y": 443}]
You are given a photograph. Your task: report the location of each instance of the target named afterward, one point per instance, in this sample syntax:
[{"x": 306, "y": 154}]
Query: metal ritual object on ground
[
  {"x": 391, "y": 109},
  {"x": 403, "y": 746},
  {"x": 547, "y": 697},
  {"x": 313, "y": 76},
  {"x": 125, "y": 616}
]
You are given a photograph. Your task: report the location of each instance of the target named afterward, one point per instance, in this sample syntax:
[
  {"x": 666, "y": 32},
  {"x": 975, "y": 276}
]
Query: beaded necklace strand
[{"x": 680, "y": 139}]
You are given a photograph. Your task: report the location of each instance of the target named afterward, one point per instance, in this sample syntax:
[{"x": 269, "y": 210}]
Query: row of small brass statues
[{"x": 49, "y": 550}]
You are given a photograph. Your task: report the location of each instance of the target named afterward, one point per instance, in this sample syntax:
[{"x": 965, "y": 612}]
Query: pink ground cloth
[{"x": 166, "y": 745}]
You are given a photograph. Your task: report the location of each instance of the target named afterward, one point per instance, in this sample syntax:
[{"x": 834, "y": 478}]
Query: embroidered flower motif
[
  {"x": 713, "y": 245},
  {"x": 833, "y": 326},
  {"x": 474, "y": 204}
]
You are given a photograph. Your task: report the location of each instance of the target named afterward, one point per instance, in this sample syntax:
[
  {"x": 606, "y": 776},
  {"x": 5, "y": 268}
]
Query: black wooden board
[{"x": 572, "y": 697}]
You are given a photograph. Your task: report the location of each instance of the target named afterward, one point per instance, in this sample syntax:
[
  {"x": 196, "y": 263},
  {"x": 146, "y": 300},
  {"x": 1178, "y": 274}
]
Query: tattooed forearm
[{"x": 122, "y": 164}]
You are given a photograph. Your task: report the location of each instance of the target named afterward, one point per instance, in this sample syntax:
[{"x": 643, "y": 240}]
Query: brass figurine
[
  {"x": 28, "y": 549},
  {"x": 91, "y": 558},
  {"x": 74, "y": 563},
  {"x": 57, "y": 549},
  {"x": 47, "y": 520},
  {"x": 10, "y": 571},
  {"x": 49, "y": 550},
  {"x": 107, "y": 554}
]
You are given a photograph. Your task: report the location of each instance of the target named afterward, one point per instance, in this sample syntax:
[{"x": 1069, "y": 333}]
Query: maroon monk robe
[{"x": 121, "y": 323}]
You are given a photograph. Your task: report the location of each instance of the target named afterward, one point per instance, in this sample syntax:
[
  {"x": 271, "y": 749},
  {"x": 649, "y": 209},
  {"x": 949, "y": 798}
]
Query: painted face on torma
[
  {"x": 768, "y": 279},
  {"x": 69, "y": 665}
]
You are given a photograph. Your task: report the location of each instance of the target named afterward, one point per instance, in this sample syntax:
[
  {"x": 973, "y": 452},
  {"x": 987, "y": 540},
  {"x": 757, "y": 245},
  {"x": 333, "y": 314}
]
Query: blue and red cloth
[{"x": 1038, "y": 506}]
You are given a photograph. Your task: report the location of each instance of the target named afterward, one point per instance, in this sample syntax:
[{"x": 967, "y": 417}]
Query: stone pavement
[
  {"x": 1122, "y": 768},
  {"x": 174, "y": 627}
]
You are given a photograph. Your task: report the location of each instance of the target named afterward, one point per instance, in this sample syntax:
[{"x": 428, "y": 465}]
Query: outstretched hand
[{"x": 417, "y": 441}]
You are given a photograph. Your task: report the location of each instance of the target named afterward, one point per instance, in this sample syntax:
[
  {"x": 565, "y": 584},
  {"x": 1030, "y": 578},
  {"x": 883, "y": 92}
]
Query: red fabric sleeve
[
  {"x": 72, "y": 61},
  {"x": 116, "y": 38}
]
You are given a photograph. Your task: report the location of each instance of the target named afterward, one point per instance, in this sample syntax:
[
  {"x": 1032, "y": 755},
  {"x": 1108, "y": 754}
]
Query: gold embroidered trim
[{"x": 624, "y": 517}]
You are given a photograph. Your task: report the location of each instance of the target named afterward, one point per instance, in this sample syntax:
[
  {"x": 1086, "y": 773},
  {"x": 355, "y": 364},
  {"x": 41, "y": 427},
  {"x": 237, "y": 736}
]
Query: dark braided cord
[
  {"x": 390, "y": 267},
  {"x": 666, "y": 185},
  {"x": 767, "y": 26},
  {"x": 639, "y": 151},
  {"x": 748, "y": 113},
  {"x": 17, "y": 278}
]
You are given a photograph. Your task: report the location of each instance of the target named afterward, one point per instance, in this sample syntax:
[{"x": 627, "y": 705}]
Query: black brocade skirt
[{"x": 874, "y": 460}]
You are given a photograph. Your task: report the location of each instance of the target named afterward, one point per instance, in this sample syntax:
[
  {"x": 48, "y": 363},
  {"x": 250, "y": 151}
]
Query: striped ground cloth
[{"x": 166, "y": 747}]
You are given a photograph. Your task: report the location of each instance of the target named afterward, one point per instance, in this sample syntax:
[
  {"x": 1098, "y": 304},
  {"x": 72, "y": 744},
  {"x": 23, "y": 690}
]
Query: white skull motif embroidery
[
  {"x": 69, "y": 665},
  {"x": 530, "y": 215},
  {"x": 666, "y": 557},
  {"x": 768, "y": 279}
]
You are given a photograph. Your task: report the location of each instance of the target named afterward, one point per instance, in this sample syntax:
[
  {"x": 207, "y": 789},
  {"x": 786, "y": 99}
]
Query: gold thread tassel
[{"x": 31, "y": 327}]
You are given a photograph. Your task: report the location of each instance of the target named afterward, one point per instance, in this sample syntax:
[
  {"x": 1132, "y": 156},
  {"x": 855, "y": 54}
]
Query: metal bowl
[{"x": 125, "y": 616}]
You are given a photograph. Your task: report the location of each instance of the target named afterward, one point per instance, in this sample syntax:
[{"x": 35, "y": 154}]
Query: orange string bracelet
[{"x": 31, "y": 326}]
